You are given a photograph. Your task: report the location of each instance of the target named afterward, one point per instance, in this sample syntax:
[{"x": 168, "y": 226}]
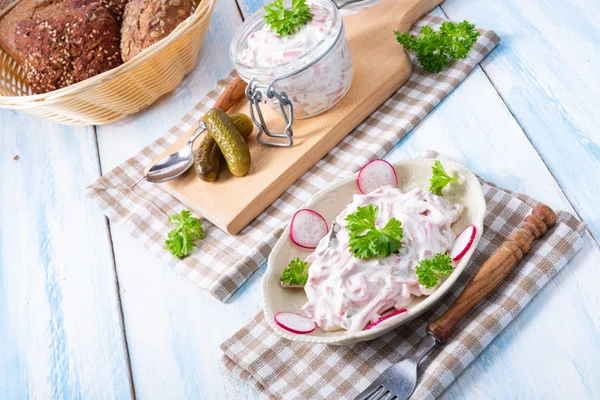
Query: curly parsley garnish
[
  {"x": 434, "y": 48},
  {"x": 180, "y": 241},
  {"x": 296, "y": 273},
  {"x": 368, "y": 241},
  {"x": 439, "y": 178},
  {"x": 284, "y": 22},
  {"x": 430, "y": 270}
]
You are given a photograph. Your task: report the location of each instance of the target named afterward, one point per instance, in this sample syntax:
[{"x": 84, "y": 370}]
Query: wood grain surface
[
  {"x": 380, "y": 69},
  {"x": 546, "y": 72},
  {"x": 60, "y": 321},
  {"x": 524, "y": 118},
  {"x": 233, "y": 93}
]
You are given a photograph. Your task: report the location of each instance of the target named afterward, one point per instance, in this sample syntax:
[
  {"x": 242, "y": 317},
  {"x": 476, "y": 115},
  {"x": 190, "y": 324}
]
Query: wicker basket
[{"x": 122, "y": 91}]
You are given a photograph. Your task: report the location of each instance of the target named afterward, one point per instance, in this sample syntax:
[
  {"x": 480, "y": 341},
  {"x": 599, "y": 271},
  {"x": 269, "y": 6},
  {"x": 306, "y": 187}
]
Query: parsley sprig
[
  {"x": 368, "y": 241},
  {"x": 434, "y": 48},
  {"x": 439, "y": 178},
  {"x": 430, "y": 270},
  {"x": 284, "y": 21},
  {"x": 180, "y": 241},
  {"x": 296, "y": 273}
]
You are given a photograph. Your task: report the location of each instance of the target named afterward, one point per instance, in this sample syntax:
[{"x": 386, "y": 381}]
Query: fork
[{"x": 399, "y": 381}]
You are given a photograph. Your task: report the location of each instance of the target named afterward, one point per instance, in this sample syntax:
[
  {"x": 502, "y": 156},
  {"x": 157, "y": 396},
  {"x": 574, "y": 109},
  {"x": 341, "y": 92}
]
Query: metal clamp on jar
[
  {"x": 300, "y": 75},
  {"x": 254, "y": 93}
]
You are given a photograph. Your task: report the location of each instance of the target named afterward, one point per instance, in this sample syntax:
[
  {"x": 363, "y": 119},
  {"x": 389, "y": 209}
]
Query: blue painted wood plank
[
  {"x": 546, "y": 70},
  {"x": 173, "y": 328},
  {"x": 60, "y": 327},
  {"x": 185, "y": 325},
  {"x": 474, "y": 127},
  {"x": 249, "y": 7}
]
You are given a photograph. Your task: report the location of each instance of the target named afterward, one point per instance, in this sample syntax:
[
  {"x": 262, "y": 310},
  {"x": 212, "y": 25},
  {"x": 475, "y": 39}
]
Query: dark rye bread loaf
[
  {"x": 145, "y": 22},
  {"x": 22, "y": 12},
  {"x": 116, "y": 8},
  {"x": 42, "y": 10},
  {"x": 68, "y": 47}
]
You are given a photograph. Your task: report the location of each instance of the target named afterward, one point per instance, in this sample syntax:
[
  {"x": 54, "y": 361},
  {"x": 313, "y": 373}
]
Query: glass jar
[{"x": 301, "y": 75}]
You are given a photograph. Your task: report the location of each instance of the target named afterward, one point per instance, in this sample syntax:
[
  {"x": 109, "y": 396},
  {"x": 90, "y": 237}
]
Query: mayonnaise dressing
[
  {"x": 348, "y": 293},
  {"x": 266, "y": 48},
  {"x": 321, "y": 85}
]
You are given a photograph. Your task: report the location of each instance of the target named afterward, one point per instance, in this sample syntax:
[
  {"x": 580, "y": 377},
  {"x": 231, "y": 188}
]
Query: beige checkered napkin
[
  {"x": 223, "y": 263},
  {"x": 283, "y": 369}
]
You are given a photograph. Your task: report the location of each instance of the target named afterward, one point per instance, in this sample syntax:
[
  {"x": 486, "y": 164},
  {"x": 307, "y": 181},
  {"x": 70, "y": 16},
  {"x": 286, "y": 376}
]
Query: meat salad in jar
[{"x": 310, "y": 64}]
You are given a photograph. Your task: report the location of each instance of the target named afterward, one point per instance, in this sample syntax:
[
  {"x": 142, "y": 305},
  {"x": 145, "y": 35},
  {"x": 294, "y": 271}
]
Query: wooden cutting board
[{"x": 381, "y": 67}]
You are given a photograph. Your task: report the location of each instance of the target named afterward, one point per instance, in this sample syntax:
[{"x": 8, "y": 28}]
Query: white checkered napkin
[
  {"x": 223, "y": 263},
  {"x": 290, "y": 370}
]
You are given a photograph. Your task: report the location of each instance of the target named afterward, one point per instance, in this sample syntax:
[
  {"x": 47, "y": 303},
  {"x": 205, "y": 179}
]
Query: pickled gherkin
[
  {"x": 243, "y": 124},
  {"x": 210, "y": 156}
]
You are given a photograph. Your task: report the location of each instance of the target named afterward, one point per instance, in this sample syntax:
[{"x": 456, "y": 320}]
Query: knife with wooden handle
[
  {"x": 494, "y": 270},
  {"x": 234, "y": 92}
]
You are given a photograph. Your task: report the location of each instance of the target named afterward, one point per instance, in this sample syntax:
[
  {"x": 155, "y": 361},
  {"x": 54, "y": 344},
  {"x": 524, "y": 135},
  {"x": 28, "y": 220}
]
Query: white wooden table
[{"x": 85, "y": 312}]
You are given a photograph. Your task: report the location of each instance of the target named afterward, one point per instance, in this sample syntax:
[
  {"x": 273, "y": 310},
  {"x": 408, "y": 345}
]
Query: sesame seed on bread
[
  {"x": 146, "y": 22},
  {"x": 69, "y": 47},
  {"x": 44, "y": 9}
]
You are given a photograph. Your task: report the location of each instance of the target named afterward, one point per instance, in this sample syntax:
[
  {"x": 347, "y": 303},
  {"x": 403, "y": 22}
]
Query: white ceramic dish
[{"x": 329, "y": 203}]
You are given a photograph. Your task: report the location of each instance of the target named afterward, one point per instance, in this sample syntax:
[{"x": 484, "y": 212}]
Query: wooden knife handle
[
  {"x": 234, "y": 92},
  {"x": 494, "y": 270}
]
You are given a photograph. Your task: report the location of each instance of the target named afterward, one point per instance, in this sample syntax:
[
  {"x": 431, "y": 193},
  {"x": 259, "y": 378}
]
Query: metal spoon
[{"x": 177, "y": 163}]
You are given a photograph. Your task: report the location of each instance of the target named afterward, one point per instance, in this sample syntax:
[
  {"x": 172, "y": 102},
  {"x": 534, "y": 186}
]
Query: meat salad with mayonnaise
[
  {"x": 385, "y": 248},
  {"x": 346, "y": 292}
]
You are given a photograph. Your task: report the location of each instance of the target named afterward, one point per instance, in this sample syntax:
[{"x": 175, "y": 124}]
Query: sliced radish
[
  {"x": 390, "y": 315},
  {"x": 308, "y": 228},
  {"x": 463, "y": 243},
  {"x": 375, "y": 174},
  {"x": 294, "y": 323}
]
